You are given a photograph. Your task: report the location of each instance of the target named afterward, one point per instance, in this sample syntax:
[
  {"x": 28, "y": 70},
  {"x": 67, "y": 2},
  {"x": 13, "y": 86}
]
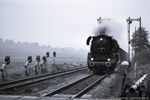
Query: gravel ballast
[{"x": 108, "y": 88}]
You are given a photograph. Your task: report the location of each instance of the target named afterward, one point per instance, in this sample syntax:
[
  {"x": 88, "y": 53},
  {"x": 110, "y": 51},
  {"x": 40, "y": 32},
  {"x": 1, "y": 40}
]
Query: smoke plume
[{"x": 112, "y": 28}]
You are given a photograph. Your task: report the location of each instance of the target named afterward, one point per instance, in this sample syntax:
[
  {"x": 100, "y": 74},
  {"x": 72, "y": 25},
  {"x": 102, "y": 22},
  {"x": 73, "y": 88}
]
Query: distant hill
[{"x": 19, "y": 49}]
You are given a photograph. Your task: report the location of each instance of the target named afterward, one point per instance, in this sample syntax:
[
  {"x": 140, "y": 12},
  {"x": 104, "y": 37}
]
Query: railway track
[
  {"x": 39, "y": 78},
  {"x": 78, "y": 88}
]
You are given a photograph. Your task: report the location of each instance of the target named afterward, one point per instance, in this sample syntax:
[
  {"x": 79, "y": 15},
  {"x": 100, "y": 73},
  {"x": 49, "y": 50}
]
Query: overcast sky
[{"x": 67, "y": 23}]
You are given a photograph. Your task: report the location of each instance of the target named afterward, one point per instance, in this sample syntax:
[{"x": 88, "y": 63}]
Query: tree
[{"x": 140, "y": 42}]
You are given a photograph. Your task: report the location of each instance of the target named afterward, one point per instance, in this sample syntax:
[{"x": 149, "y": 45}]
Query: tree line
[{"x": 24, "y": 49}]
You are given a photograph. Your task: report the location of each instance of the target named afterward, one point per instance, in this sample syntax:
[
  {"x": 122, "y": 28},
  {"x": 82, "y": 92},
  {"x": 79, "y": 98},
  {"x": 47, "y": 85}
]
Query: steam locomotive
[{"x": 104, "y": 53}]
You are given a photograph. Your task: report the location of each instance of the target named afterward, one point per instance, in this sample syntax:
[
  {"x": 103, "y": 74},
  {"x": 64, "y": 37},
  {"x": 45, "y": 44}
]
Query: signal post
[{"x": 129, "y": 21}]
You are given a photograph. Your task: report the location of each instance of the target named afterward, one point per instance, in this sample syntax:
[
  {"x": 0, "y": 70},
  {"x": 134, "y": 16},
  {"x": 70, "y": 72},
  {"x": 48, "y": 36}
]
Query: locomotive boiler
[{"x": 104, "y": 53}]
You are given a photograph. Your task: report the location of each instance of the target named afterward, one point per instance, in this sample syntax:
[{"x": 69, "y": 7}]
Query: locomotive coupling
[{"x": 137, "y": 84}]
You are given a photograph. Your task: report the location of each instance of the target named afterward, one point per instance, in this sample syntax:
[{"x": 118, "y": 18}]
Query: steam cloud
[
  {"x": 112, "y": 28},
  {"x": 109, "y": 27}
]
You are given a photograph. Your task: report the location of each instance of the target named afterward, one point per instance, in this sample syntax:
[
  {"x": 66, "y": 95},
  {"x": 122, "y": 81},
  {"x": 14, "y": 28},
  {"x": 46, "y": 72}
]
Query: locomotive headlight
[
  {"x": 92, "y": 59},
  {"x": 101, "y": 39},
  {"x": 108, "y": 59}
]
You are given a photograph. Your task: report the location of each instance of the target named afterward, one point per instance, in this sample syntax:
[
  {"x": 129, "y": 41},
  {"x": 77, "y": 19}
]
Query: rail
[{"x": 31, "y": 80}]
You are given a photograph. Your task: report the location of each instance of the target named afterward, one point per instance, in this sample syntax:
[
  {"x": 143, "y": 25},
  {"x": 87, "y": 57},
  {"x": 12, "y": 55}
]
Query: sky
[{"x": 68, "y": 23}]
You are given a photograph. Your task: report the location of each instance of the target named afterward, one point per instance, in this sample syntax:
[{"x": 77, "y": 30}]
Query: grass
[{"x": 16, "y": 68}]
